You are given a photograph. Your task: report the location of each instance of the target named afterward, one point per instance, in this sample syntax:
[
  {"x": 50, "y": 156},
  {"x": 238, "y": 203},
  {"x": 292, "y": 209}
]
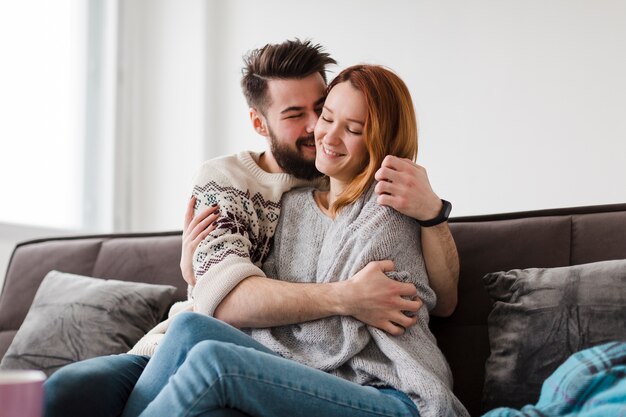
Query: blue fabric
[
  {"x": 97, "y": 387},
  {"x": 207, "y": 368},
  {"x": 591, "y": 383}
]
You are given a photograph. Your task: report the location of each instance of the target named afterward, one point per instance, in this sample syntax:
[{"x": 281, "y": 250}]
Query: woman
[{"x": 334, "y": 366}]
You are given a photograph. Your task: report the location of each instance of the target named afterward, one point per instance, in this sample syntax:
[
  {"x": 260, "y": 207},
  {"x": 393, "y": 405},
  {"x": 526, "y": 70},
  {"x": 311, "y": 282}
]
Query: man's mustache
[{"x": 303, "y": 140}]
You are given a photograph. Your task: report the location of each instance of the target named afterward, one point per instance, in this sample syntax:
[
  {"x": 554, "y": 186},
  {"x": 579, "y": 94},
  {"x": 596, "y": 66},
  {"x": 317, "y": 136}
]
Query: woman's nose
[{"x": 331, "y": 136}]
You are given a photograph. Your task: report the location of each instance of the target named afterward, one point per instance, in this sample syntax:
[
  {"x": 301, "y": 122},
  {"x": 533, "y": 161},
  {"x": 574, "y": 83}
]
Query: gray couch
[{"x": 546, "y": 239}]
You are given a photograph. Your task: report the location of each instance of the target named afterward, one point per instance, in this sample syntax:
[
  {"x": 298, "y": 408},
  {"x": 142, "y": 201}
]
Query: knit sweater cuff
[
  {"x": 215, "y": 285},
  {"x": 147, "y": 345}
]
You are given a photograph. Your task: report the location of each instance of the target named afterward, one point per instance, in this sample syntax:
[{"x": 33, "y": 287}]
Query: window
[{"x": 52, "y": 85}]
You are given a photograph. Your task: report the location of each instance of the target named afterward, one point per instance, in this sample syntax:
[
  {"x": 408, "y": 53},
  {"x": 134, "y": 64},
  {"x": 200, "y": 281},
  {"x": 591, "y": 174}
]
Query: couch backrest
[
  {"x": 152, "y": 258},
  {"x": 547, "y": 238}
]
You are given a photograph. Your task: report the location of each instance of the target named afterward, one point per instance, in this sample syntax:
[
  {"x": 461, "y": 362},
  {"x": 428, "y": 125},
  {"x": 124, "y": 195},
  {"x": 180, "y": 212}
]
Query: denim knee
[
  {"x": 184, "y": 320},
  {"x": 215, "y": 356},
  {"x": 67, "y": 387},
  {"x": 69, "y": 378},
  {"x": 187, "y": 326},
  {"x": 95, "y": 387}
]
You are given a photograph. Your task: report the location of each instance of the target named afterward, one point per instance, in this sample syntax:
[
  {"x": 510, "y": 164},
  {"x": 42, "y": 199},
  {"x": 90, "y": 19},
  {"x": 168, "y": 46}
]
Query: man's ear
[{"x": 258, "y": 122}]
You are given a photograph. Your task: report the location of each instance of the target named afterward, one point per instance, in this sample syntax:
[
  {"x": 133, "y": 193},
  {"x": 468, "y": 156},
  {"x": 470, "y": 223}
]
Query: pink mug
[{"x": 21, "y": 393}]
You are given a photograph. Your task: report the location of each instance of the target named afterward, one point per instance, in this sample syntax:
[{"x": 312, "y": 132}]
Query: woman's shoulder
[
  {"x": 383, "y": 219},
  {"x": 372, "y": 207},
  {"x": 299, "y": 204},
  {"x": 297, "y": 195}
]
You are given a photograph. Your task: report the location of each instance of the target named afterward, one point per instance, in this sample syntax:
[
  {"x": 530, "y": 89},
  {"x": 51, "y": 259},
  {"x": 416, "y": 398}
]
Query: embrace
[{"x": 312, "y": 267}]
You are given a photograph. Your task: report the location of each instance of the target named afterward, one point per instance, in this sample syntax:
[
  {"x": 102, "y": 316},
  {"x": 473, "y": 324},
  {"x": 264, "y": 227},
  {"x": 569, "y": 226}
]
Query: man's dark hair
[{"x": 292, "y": 59}]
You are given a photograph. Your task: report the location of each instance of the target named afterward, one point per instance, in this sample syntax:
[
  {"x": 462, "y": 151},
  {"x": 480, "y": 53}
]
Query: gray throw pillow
[
  {"x": 542, "y": 316},
  {"x": 75, "y": 317}
]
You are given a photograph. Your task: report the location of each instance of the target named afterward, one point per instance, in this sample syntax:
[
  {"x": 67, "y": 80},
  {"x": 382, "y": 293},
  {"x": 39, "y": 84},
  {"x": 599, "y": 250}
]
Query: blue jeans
[
  {"x": 205, "y": 367},
  {"x": 97, "y": 387}
]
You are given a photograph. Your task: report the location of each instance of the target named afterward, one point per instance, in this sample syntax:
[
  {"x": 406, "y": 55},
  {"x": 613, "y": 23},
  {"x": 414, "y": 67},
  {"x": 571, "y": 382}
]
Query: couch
[{"x": 499, "y": 242}]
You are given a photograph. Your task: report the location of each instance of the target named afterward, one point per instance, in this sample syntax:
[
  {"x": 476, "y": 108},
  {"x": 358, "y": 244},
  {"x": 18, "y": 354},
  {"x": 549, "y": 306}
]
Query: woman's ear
[{"x": 258, "y": 122}]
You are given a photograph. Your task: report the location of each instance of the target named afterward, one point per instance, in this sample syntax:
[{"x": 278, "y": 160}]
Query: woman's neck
[{"x": 326, "y": 199}]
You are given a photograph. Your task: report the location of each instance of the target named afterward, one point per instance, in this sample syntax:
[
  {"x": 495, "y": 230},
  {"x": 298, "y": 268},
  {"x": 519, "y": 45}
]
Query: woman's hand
[{"x": 195, "y": 229}]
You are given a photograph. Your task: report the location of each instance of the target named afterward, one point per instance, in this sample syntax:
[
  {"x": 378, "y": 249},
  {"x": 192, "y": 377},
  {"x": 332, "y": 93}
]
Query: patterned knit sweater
[
  {"x": 311, "y": 247},
  {"x": 249, "y": 199}
]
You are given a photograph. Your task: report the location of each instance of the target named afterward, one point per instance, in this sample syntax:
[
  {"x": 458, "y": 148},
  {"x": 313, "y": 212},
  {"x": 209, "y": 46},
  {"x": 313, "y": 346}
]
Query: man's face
[{"x": 291, "y": 116}]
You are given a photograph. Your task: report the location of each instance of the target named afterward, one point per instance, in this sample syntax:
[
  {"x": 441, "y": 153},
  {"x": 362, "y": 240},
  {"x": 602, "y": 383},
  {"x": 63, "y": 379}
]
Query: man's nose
[{"x": 311, "y": 121}]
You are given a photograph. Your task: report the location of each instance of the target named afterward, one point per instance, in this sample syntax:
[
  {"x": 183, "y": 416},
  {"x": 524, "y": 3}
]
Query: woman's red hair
[{"x": 390, "y": 125}]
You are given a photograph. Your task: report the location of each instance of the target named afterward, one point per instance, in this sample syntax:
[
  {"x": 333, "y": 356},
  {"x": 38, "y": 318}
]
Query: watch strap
[{"x": 443, "y": 215}]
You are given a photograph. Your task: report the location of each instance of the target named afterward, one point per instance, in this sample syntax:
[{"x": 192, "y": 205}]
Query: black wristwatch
[{"x": 441, "y": 217}]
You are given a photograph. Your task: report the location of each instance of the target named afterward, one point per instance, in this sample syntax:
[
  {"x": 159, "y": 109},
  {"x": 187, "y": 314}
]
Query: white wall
[
  {"x": 162, "y": 109},
  {"x": 520, "y": 103}
]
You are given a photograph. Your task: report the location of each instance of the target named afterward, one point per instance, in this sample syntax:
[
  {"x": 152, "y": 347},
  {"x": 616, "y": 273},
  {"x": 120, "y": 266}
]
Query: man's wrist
[
  {"x": 339, "y": 298},
  {"x": 434, "y": 210},
  {"x": 441, "y": 217}
]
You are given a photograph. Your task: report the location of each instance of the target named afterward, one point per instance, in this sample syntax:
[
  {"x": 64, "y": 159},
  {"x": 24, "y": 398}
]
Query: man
[{"x": 285, "y": 86}]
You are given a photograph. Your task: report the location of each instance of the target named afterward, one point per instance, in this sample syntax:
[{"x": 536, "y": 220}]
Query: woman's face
[{"x": 339, "y": 141}]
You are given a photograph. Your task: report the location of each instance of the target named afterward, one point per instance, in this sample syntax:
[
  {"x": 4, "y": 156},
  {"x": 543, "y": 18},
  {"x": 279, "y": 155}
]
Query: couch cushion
[
  {"x": 75, "y": 317},
  {"x": 543, "y": 315}
]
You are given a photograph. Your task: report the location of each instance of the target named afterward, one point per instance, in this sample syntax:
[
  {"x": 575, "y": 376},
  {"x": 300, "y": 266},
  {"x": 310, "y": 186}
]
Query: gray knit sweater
[{"x": 311, "y": 247}]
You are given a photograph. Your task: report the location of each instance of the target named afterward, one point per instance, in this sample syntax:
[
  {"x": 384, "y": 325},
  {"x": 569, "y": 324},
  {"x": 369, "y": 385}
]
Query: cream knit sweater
[{"x": 250, "y": 200}]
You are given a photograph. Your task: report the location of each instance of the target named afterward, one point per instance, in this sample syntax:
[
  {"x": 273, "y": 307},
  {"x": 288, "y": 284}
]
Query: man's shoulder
[
  {"x": 229, "y": 169},
  {"x": 237, "y": 161}
]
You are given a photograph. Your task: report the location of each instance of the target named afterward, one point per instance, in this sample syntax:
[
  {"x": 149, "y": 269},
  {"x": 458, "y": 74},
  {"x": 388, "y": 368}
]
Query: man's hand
[
  {"x": 404, "y": 185},
  {"x": 375, "y": 299},
  {"x": 195, "y": 229}
]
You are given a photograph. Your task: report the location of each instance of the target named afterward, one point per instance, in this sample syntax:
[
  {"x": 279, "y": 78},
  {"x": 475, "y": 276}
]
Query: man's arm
[
  {"x": 404, "y": 186},
  {"x": 442, "y": 264},
  {"x": 370, "y": 296}
]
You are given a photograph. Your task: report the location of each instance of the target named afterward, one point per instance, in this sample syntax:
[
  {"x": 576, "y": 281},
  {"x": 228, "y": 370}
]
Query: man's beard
[{"x": 291, "y": 161}]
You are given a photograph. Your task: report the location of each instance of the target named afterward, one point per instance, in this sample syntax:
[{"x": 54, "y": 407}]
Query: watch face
[{"x": 447, "y": 208}]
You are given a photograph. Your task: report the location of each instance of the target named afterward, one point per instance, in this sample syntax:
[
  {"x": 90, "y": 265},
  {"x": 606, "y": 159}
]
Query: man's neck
[{"x": 268, "y": 164}]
